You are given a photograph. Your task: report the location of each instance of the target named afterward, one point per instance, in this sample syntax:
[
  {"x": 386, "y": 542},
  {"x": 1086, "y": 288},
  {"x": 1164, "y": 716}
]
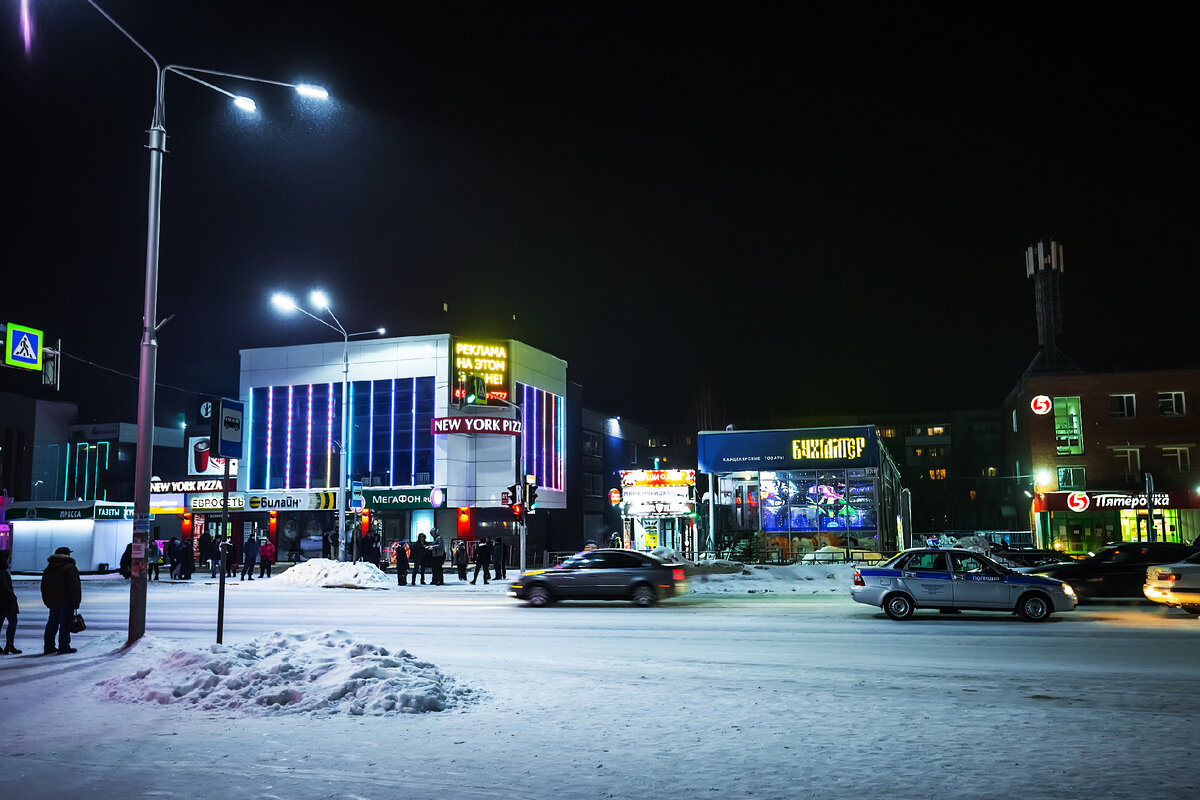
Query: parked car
[
  {"x": 1030, "y": 558},
  {"x": 948, "y": 580},
  {"x": 604, "y": 574},
  {"x": 1118, "y": 570},
  {"x": 1176, "y": 585}
]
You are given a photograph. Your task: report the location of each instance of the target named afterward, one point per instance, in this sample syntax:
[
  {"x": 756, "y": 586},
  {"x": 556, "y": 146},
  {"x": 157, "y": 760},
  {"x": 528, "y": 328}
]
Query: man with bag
[{"x": 62, "y": 593}]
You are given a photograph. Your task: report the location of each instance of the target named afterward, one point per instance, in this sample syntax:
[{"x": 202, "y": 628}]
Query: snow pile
[
  {"x": 323, "y": 674},
  {"x": 328, "y": 574}
]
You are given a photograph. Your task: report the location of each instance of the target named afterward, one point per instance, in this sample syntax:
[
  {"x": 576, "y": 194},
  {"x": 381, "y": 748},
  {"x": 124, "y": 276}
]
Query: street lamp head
[
  {"x": 283, "y": 302},
  {"x": 319, "y": 299},
  {"x": 245, "y": 104},
  {"x": 313, "y": 92},
  {"x": 381, "y": 331},
  {"x": 1043, "y": 477}
]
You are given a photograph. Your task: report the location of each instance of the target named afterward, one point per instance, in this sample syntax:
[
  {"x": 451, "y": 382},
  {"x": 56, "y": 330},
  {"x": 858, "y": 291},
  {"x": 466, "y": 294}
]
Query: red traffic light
[{"x": 517, "y": 508}]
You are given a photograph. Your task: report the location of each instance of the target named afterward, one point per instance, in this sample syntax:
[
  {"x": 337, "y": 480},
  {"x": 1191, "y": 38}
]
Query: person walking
[
  {"x": 249, "y": 556},
  {"x": 204, "y": 548},
  {"x": 61, "y": 593},
  {"x": 437, "y": 558},
  {"x": 230, "y": 558},
  {"x": 187, "y": 560},
  {"x": 8, "y": 606},
  {"x": 498, "y": 553},
  {"x": 401, "y": 549},
  {"x": 459, "y": 558},
  {"x": 266, "y": 557},
  {"x": 153, "y": 559},
  {"x": 173, "y": 557},
  {"x": 126, "y": 563},
  {"x": 418, "y": 558},
  {"x": 218, "y": 548},
  {"x": 483, "y": 557}
]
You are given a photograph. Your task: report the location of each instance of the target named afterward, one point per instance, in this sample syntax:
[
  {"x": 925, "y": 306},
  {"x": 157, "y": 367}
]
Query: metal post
[
  {"x": 227, "y": 536},
  {"x": 1151, "y": 534},
  {"x": 144, "y": 458},
  {"x": 342, "y": 465}
]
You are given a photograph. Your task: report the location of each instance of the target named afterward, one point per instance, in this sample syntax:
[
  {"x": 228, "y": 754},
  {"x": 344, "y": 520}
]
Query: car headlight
[{"x": 1067, "y": 590}]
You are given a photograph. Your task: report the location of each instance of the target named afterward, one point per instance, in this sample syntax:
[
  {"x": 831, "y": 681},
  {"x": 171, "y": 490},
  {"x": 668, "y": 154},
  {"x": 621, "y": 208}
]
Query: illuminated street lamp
[
  {"x": 320, "y": 301},
  {"x": 147, "y": 365}
]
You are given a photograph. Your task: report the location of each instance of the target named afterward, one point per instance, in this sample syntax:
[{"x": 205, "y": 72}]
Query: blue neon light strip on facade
[
  {"x": 270, "y": 417},
  {"x": 249, "y": 438},
  {"x": 412, "y": 470},
  {"x": 329, "y": 439}
]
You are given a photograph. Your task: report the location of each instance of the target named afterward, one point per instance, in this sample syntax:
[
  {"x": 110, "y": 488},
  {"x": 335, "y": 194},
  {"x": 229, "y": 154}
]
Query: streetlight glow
[
  {"x": 319, "y": 300},
  {"x": 283, "y": 302},
  {"x": 312, "y": 92},
  {"x": 245, "y": 104}
]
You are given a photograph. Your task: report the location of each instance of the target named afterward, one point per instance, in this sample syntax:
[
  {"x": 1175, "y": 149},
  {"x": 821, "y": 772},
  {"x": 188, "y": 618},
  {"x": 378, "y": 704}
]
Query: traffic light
[
  {"x": 531, "y": 496},
  {"x": 517, "y": 510},
  {"x": 514, "y": 494}
]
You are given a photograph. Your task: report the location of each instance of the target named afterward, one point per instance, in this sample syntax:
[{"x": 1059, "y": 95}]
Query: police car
[{"x": 930, "y": 577}]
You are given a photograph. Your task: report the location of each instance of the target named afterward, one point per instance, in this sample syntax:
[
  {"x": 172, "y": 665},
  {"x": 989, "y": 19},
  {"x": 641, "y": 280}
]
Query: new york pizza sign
[{"x": 493, "y": 425}]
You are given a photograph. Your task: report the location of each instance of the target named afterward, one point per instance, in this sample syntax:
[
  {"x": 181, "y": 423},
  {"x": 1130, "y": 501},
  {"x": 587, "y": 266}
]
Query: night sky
[{"x": 788, "y": 213}]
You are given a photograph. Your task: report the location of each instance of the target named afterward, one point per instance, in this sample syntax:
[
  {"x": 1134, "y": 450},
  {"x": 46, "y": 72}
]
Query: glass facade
[
  {"x": 292, "y": 442},
  {"x": 810, "y": 501},
  {"x": 544, "y": 438}
]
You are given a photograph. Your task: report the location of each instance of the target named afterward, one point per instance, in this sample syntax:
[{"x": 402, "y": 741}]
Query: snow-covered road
[{"x": 783, "y": 694}]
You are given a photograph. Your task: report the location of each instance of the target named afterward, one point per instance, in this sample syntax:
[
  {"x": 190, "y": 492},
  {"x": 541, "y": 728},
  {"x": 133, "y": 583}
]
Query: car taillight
[
  {"x": 858, "y": 581},
  {"x": 677, "y": 575},
  {"x": 1169, "y": 576}
]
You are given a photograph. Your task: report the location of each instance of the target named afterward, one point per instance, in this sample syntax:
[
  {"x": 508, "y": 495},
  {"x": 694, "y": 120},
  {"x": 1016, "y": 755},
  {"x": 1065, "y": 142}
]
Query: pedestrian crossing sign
[{"x": 23, "y": 347}]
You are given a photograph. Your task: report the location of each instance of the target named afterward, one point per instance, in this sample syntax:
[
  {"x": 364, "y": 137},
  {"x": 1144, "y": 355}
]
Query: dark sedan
[
  {"x": 609, "y": 574},
  {"x": 1115, "y": 571}
]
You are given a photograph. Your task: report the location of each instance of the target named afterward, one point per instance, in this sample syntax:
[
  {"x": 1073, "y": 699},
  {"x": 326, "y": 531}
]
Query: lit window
[
  {"x": 937, "y": 430},
  {"x": 991, "y": 472},
  {"x": 1122, "y": 405},
  {"x": 937, "y": 474},
  {"x": 1068, "y": 426},
  {"x": 1170, "y": 404}
]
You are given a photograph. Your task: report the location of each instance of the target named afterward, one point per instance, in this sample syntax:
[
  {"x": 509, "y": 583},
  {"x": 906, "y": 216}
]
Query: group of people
[
  {"x": 430, "y": 554},
  {"x": 62, "y": 593},
  {"x": 216, "y": 552}
]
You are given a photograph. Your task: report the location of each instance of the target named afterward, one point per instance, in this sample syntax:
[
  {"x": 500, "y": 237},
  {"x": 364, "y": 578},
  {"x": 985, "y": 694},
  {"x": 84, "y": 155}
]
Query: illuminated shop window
[
  {"x": 1179, "y": 457},
  {"x": 1170, "y": 404},
  {"x": 1071, "y": 478},
  {"x": 1068, "y": 426},
  {"x": 1122, "y": 405}
]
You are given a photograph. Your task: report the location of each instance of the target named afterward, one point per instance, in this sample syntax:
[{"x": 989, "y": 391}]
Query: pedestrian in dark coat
[
  {"x": 459, "y": 557},
  {"x": 483, "y": 557},
  {"x": 401, "y": 549},
  {"x": 8, "y": 606},
  {"x": 127, "y": 562},
  {"x": 437, "y": 558},
  {"x": 173, "y": 556},
  {"x": 187, "y": 560},
  {"x": 498, "y": 558},
  {"x": 417, "y": 556},
  {"x": 218, "y": 547},
  {"x": 62, "y": 593},
  {"x": 205, "y": 545},
  {"x": 230, "y": 558},
  {"x": 249, "y": 556}
]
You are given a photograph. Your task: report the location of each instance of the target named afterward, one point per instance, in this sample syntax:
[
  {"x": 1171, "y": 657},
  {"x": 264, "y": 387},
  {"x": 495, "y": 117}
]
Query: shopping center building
[{"x": 420, "y": 452}]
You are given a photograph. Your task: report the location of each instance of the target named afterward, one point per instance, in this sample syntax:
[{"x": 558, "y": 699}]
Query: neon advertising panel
[
  {"x": 543, "y": 442},
  {"x": 486, "y": 359}
]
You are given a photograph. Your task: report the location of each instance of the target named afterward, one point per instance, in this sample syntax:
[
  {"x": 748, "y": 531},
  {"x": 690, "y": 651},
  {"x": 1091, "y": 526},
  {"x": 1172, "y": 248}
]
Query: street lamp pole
[
  {"x": 321, "y": 301},
  {"x": 148, "y": 353}
]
